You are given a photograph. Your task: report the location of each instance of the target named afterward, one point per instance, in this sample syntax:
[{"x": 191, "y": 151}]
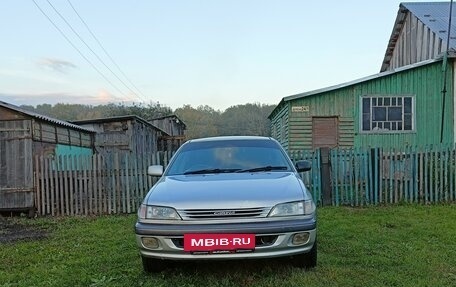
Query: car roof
[{"x": 228, "y": 138}]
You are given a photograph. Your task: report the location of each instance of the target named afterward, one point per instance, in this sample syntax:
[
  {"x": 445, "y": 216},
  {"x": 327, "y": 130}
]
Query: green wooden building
[
  {"x": 403, "y": 105},
  {"x": 390, "y": 109}
]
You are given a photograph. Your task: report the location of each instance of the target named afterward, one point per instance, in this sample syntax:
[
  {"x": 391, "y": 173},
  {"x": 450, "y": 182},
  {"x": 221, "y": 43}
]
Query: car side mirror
[
  {"x": 303, "y": 165},
  {"x": 155, "y": 170}
]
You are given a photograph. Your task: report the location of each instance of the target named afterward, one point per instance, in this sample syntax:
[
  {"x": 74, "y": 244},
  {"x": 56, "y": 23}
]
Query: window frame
[{"x": 384, "y": 131}]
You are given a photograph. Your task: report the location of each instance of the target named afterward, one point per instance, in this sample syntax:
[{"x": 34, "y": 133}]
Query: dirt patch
[{"x": 11, "y": 231}]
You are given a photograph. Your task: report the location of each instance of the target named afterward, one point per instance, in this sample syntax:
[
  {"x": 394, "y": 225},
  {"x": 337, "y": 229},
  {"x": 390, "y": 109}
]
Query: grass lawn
[{"x": 377, "y": 246}]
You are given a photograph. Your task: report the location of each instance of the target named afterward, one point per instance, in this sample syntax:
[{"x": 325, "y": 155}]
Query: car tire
[
  {"x": 152, "y": 265},
  {"x": 306, "y": 260}
]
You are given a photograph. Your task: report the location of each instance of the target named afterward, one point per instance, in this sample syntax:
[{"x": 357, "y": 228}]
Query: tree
[
  {"x": 71, "y": 112},
  {"x": 247, "y": 119},
  {"x": 201, "y": 122}
]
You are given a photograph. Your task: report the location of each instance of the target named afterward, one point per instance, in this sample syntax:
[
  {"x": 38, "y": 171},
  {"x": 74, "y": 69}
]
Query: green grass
[{"x": 378, "y": 246}]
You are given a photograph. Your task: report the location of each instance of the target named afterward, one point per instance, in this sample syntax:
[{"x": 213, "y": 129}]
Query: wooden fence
[
  {"x": 90, "y": 185},
  {"x": 388, "y": 176},
  {"x": 312, "y": 178}
]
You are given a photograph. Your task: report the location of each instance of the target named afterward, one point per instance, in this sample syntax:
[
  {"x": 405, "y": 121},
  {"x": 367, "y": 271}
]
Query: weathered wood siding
[
  {"x": 124, "y": 134},
  {"x": 99, "y": 184},
  {"x": 16, "y": 169},
  {"x": 175, "y": 132},
  {"x": 416, "y": 43},
  {"x": 21, "y": 137},
  {"x": 171, "y": 125},
  {"x": 48, "y": 133},
  {"x": 144, "y": 138}
]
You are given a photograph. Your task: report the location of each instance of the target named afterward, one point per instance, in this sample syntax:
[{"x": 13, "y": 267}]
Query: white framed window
[{"x": 388, "y": 113}]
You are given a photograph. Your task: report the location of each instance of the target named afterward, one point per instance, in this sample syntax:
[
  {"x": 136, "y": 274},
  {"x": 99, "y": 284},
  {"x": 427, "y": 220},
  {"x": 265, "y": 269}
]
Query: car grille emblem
[{"x": 224, "y": 212}]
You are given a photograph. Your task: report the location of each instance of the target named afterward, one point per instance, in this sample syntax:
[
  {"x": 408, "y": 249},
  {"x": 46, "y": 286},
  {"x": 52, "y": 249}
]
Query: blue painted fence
[{"x": 385, "y": 176}]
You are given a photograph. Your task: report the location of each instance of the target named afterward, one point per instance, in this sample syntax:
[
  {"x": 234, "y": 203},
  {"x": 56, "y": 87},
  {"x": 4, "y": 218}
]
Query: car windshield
[{"x": 227, "y": 156}]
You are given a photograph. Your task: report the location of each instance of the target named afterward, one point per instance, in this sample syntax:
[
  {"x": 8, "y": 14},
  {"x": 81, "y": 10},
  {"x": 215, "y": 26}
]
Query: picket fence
[
  {"x": 386, "y": 176},
  {"x": 117, "y": 183},
  {"x": 93, "y": 185}
]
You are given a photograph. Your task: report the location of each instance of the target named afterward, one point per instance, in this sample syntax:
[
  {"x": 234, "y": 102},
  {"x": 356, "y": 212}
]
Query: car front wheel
[
  {"x": 152, "y": 265},
  {"x": 306, "y": 260}
]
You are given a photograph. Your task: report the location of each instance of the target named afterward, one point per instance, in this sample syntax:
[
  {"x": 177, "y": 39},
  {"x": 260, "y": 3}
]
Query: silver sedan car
[{"x": 228, "y": 198}]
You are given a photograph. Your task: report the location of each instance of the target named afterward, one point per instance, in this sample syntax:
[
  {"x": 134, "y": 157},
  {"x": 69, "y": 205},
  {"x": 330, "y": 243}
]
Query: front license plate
[{"x": 218, "y": 242}]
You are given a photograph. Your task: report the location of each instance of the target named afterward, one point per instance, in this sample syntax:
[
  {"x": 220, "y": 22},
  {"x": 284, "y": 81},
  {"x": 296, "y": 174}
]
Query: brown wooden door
[{"x": 325, "y": 132}]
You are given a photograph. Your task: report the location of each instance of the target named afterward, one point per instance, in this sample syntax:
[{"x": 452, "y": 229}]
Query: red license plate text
[{"x": 218, "y": 242}]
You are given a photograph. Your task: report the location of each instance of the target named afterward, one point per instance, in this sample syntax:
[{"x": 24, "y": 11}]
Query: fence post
[
  {"x": 325, "y": 176},
  {"x": 375, "y": 175}
]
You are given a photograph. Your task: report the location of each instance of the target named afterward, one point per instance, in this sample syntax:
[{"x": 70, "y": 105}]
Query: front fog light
[
  {"x": 150, "y": 242},
  {"x": 301, "y": 238}
]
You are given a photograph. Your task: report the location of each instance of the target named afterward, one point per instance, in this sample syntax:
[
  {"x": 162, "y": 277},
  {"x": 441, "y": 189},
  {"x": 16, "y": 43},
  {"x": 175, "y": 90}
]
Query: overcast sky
[{"x": 207, "y": 52}]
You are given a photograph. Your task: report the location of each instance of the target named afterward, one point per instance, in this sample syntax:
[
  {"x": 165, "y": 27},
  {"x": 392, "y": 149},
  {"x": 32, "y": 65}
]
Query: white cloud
[
  {"x": 56, "y": 65},
  {"x": 100, "y": 98},
  {"x": 104, "y": 97}
]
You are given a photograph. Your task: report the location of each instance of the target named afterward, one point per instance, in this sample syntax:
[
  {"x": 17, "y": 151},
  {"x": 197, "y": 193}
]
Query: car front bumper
[{"x": 279, "y": 235}]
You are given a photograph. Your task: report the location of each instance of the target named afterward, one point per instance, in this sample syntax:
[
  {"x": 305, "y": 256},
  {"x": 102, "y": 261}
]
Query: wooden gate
[{"x": 16, "y": 165}]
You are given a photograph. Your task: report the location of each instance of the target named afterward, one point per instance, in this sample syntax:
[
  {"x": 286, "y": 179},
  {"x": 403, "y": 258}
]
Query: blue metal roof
[{"x": 435, "y": 15}]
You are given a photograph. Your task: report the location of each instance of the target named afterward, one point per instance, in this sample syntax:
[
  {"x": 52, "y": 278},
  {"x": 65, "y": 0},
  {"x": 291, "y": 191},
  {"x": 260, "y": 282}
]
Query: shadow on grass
[{"x": 227, "y": 273}]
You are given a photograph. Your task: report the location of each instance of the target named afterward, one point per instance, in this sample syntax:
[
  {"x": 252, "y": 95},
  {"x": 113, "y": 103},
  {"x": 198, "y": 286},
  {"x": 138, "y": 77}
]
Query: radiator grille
[{"x": 223, "y": 213}]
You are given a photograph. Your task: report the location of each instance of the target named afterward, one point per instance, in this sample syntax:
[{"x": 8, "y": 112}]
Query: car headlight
[
  {"x": 306, "y": 207},
  {"x": 158, "y": 212}
]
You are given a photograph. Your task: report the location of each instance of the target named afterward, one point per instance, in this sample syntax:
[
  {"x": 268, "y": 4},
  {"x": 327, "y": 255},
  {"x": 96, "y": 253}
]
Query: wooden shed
[
  {"x": 24, "y": 135},
  {"x": 401, "y": 106},
  {"x": 124, "y": 134},
  {"x": 174, "y": 127}
]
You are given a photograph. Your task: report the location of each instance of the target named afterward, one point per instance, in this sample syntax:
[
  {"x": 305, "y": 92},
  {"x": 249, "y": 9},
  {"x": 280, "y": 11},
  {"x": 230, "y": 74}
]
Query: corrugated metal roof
[
  {"x": 119, "y": 118},
  {"x": 109, "y": 119},
  {"x": 346, "y": 84},
  {"x": 354, "y": 82},
  {"x": 435, "y": 15},
  {"x": 43, "y": 117}
]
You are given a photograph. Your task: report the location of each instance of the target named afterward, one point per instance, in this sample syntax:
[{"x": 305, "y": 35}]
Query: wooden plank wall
[
  {"x": 416, "y": 43},
  {"x": 280, "y": 127},
  {"x": 93, "y": 185},
  {"x": 16, "y": 170}
]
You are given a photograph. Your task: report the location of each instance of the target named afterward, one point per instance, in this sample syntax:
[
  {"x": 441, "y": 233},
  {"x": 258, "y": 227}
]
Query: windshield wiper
[
  {"x": 263, "y": 168},
  {"x": 212, "y": 170}
]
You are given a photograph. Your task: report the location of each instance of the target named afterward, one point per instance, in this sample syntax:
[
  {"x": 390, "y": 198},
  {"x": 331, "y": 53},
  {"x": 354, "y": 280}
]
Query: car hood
[{"x": 232, "y": 190}]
